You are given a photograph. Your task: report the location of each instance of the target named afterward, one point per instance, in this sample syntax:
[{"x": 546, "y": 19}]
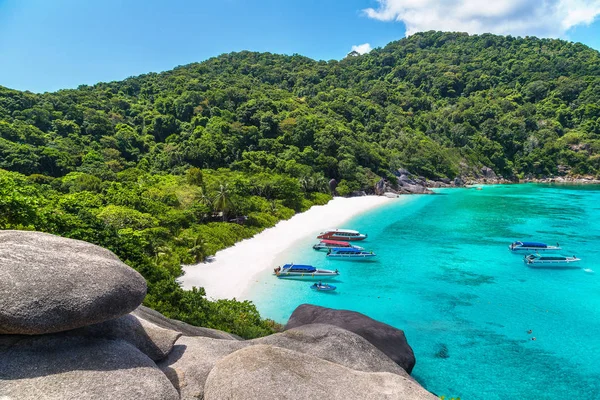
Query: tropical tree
[{"x": 222, "y": 202}]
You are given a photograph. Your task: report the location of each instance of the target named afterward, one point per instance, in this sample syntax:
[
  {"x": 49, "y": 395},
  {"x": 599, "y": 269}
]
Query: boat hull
[
  {"x": 556, "y": 265},
  {"x": 347, "y": 257},
  {"x": 327, "y": 248},
  {"x": 344, "y": 238},
  {"x": 328, "y": 288},
  {"x": 307, "y": 276},
  {"x": 569, "y": 262}
]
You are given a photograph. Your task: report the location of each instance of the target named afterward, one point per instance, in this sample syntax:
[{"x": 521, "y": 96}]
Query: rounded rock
[{"x": 51, "y": 284}]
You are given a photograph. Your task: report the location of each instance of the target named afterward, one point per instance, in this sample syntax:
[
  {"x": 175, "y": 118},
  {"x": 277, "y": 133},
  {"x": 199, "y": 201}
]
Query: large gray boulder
[
  {"x": 58, "y": 367},
  {"x": 158, "y": 319},
  {"x": 269, "y": 372},
  {"x": 51, "y": 284},
  {"x": 334, "y": 344},
  {"x": 150, "y": 339},
  {"x": 391, "y": 341},
  {"x": 380, "y": 187},
  {"x": 488, "y": 173},
  {"x": 191, "y": 360}
]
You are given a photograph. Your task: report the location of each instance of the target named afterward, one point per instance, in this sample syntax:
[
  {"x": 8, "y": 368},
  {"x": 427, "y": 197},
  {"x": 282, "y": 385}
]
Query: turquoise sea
[{"x": 445, "y": 276}]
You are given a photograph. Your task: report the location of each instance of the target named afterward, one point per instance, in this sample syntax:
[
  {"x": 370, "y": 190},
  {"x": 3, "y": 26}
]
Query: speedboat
[
  {"x": 342, "y": 234},
  {"x": 323, "y": 287},
  {"x": 536, "y": 260},
  {"x": 327, "y": 244},
  {"x": 532, "y": 246},
  {"x": 304, "y": 272},
  {"x": 345, "y": 253}
]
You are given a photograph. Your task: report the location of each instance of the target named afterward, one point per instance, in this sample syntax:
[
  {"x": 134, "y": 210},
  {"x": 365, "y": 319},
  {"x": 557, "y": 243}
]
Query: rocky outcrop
[
  {"x": 265, "y": 372},
  {"x": 158, "y": 319},
  {"x": 488, "y": 173},
  {"x": 112, "y": 354},
  {"x": 192, "y": 359},
  {"x": 409, "y": 183},
  {"x": 61, "y": 367},
  {"x": 150, "y": 339},
  {"x": 51, "y": 284},
  {"x": 334, "y": 344},
  {"x": 389, "y": 340},
  {"x": 380, "y": 187},
  {"x": 333, "y": 186}
]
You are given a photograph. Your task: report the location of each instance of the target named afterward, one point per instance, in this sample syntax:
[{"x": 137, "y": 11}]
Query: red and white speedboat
[
  {"x": 342, "y": 234},
  {"x": 326, "y": 244}
]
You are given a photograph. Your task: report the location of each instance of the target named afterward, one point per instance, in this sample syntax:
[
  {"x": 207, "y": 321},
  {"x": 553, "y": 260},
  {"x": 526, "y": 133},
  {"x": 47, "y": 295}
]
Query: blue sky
[{"x": 46, "y": 45}]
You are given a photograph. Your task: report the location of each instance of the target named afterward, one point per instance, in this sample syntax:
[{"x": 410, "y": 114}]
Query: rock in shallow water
[
  {"x": 52, "y": 284},
  {"x": 389, "y": 340},
  {"x": 268, "y": 372},
  {"x": 56, "y": 367}
]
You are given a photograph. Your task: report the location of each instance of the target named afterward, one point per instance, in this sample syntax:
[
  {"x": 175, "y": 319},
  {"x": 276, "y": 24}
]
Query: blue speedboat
[
  {"x": 532, "y": 247},
  {"x": 323, "y": 287}
]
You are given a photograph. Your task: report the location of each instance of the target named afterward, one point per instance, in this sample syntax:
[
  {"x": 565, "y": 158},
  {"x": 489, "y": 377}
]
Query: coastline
[{"x": 231, "y": 272}]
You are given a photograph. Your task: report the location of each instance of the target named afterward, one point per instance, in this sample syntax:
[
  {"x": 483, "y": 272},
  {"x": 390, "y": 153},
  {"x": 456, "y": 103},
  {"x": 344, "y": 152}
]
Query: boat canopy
[
  {"x": 531, "y": 244},
  {"x": 346, "y": 249},
  {"x": 335, "y": 242},
  {"x": 340, "y": 231},
  {"x": 303, "y": 268}
]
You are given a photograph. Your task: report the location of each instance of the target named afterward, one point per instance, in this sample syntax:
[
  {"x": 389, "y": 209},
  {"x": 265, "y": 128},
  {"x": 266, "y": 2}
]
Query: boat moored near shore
[
  {"x": 304, "y": 272},
  {"x": 342, "y": 234},
  {"x": 326, "y": 244},
  {"x": 345, "y": 253},
  {"x": 323, "y": 287},
  {"x": 532, "y": 246}
]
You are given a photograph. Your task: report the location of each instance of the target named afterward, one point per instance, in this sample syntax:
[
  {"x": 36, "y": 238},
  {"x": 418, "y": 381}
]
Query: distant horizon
[{"x": 51, "y": 46}]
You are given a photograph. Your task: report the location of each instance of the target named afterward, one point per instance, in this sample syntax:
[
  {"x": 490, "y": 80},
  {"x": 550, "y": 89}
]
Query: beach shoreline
[{"x": 233, "y": 269}]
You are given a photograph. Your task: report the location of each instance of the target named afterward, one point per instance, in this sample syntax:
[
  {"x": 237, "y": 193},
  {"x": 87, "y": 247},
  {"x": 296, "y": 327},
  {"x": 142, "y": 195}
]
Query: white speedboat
[
  {"x": 532, "y": 246},
  {"x": 304, "y": 272},
  {"x": 342, "y": 234},
  {"x": 349, "y": 253},
  {"x": 550, "y": 261}
]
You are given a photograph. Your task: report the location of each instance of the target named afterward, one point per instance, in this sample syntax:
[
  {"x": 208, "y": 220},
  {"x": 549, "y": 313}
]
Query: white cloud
[
  {"x": 362, "y": 48},
  {"x": 545, "y": 18}
]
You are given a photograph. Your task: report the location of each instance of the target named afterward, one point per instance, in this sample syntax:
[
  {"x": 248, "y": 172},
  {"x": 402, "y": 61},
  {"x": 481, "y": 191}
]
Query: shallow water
[{"x": 445, "y": 276}]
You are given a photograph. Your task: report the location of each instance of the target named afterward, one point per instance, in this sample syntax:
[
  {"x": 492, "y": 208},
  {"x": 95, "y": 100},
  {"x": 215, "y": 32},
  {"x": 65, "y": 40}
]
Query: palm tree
[
  {"x": 320, "y": 184},
  {"x": 222, "y": 201},
  {"x": 198, "y": 251},
  {"x": 305, "y": 183},
  {"x": 203, "y": 197}
]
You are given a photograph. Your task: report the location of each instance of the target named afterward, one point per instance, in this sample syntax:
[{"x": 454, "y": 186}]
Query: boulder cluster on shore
[
  {"x": 407, "y": 183},
  {"x": 72, "y": 327}
]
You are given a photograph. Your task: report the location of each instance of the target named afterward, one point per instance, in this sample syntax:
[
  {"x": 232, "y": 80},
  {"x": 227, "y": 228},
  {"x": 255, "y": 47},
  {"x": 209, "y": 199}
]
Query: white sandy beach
[{"x": 233, "y": 269}]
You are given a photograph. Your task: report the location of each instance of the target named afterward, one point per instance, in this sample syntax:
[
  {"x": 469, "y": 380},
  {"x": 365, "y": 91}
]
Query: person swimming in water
[{"x": 530, "y": 331}]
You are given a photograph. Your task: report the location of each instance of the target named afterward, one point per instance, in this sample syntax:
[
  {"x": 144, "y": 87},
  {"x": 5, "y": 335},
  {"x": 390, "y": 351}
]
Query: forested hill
[
  {"x": 435, "y": 103},
  {"x": 157, "y": 167}
]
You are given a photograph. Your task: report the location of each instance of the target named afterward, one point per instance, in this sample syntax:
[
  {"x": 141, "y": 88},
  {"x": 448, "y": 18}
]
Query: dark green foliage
[{"x": 157, "y": 167}]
